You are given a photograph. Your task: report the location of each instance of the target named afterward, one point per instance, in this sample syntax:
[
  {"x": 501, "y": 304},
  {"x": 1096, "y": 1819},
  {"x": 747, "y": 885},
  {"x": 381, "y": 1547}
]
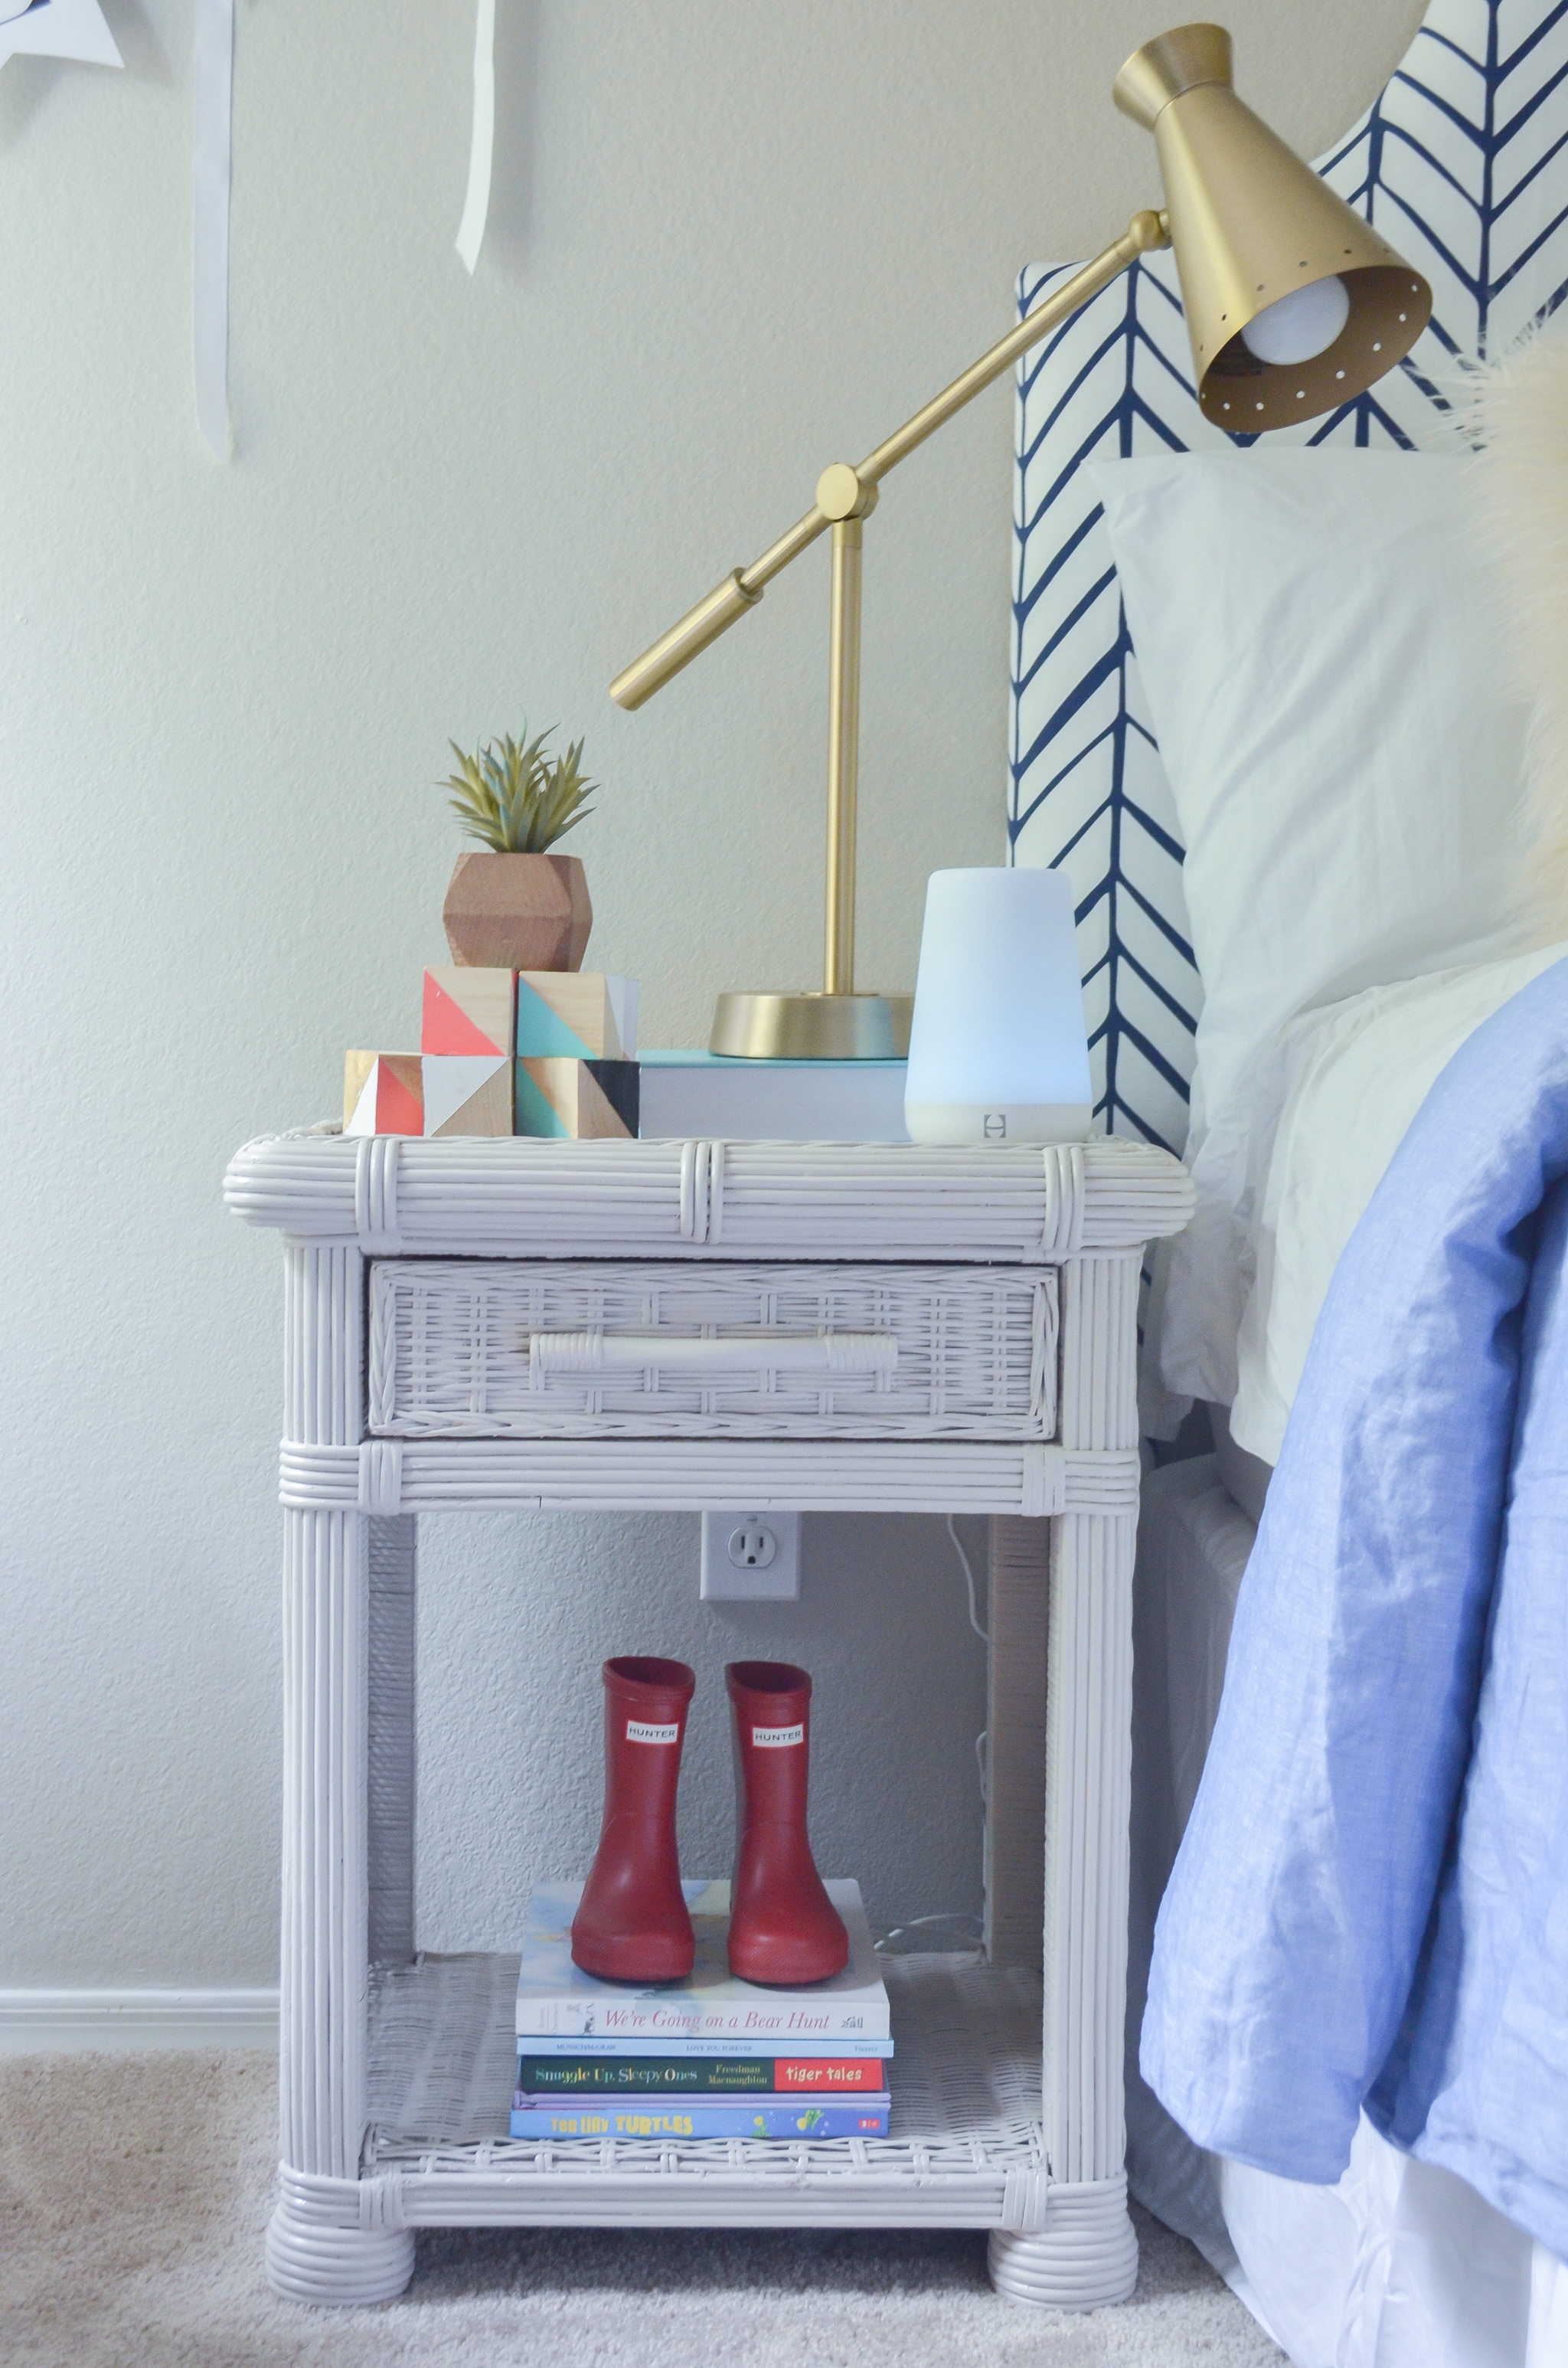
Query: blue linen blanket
[{"x": 1371, "y": 1904}]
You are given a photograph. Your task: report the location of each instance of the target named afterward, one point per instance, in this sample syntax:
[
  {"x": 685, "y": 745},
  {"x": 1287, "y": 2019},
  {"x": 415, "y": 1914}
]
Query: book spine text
[
  {"x": 747, "y": 2076},
  {"x": 659, "y": 2117}
]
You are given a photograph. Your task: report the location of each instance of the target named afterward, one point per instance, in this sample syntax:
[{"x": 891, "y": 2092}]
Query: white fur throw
[{"x": 1519, "y": 417}]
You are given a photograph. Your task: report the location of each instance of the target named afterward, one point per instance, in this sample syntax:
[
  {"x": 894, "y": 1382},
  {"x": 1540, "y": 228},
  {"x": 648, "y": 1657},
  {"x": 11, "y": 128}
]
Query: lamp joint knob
[
  {"x": 840, "y": 494},
  {"x": 1148, "y": 230}
]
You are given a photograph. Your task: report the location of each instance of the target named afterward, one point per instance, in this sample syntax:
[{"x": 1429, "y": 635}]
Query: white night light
[
  {"x": 1300, "y": 326},
  {"x": 998, "y": 1051}
]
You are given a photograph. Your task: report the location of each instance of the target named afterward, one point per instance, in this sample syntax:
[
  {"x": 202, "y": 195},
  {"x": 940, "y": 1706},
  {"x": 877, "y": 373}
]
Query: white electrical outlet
[{"x": 751, "y": 1557}]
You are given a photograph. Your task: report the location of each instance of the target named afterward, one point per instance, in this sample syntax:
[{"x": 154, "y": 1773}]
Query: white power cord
[
  {"x": 916, "y": 1924},
  {"x": 983, "y": 1634},
  {"x": 981, "y": 1742}
]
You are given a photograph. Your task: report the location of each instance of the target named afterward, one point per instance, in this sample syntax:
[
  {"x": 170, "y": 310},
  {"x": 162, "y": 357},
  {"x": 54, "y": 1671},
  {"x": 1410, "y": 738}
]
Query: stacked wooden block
[{"x": 505, "y": 1051}]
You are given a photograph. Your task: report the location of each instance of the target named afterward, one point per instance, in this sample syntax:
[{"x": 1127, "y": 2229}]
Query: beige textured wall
[{"x": 730, "y": 242}]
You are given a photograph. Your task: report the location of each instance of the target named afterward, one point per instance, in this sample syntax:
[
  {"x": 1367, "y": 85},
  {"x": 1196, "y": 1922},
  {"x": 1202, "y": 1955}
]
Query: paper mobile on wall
[
  {"x": 57, "y": 28},
  {"x": 214, "y": 78},
  {"x": 476, "y": 204}
]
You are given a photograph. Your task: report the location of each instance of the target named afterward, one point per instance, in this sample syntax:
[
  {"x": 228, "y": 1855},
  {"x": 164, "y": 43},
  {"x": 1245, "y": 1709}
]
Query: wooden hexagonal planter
[{"x": 518, "y": 912}]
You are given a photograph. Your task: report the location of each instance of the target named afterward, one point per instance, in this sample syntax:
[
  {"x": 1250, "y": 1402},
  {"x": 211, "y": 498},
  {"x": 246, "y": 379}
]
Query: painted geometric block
[
  {"x": 576, "y": 1015},
  {"x": 588, "y": 1101},
  {"x": 467, "y": 1093},
  {"x": 468, "y": 1012},
  {"x": 623, "y": 994},
  {"x": 383, "y": 1093}
]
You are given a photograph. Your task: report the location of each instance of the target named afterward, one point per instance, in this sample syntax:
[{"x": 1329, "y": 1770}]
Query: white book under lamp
[
  {"x": 691, "y": 1094},
  {"x": 999, "y": 1050}
]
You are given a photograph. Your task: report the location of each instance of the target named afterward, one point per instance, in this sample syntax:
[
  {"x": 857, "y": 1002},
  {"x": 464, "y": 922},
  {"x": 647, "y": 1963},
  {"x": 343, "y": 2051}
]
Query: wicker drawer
[{"x": 523, "y": 1349}]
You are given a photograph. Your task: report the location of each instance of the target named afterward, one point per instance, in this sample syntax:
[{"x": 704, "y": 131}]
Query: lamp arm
[
  {"x": 1146, "y": 232},
  {"x": 743, "y": 587}
]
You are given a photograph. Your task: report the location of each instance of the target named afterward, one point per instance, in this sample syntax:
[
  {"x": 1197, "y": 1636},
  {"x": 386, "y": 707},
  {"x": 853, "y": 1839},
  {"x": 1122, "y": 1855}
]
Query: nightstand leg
[
  {"x": 311, "y": 2255},
  {"x": 1086, "y": 2253}
]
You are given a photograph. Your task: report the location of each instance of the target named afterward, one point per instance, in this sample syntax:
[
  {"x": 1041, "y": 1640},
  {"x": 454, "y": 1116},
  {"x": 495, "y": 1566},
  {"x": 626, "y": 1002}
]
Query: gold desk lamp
[{"x": 1293, "y": 304}]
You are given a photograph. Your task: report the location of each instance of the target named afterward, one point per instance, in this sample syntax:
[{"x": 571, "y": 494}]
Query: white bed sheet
[{"x": 1400, "y": 2265}]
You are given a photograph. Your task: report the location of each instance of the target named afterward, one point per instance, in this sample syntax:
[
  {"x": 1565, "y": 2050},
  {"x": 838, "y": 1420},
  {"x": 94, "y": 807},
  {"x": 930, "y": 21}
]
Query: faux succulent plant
[{"x": 515, "y": 798}]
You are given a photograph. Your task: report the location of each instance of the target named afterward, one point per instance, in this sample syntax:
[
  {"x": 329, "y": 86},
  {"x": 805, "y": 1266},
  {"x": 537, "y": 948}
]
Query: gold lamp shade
[{"x": 1252, "y": 224}]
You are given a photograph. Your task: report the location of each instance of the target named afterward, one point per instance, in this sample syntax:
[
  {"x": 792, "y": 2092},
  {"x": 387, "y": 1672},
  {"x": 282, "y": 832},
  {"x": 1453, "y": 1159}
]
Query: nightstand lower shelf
[{"x": 965, "y": 2147}]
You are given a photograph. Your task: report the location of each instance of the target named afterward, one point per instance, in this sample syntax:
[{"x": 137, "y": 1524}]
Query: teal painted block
[
  {"x": 543, "y": 1035},
  {"x": 531, "y": 1114}
]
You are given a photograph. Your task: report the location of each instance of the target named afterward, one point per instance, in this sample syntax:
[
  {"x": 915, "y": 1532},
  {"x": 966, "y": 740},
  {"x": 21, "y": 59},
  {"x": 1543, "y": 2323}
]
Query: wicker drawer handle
[{"x": 602, "y": 1352}]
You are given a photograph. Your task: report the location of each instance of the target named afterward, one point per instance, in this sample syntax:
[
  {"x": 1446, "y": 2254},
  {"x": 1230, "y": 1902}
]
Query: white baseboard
[{"x": 36, "y": 2023}]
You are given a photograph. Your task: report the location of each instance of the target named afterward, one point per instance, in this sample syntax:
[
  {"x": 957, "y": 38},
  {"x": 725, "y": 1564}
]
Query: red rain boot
[
  {"x": 783, "y": 1927},
  {"x": 631, "y": 1925}
]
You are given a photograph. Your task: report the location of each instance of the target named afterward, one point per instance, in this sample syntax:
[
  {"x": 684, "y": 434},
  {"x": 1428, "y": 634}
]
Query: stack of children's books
[{"x": 708, "y": 2057}]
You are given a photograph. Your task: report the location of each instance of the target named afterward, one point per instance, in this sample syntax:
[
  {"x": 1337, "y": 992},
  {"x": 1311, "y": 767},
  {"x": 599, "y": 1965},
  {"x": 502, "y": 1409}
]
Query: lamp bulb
[{"x": 1300, "y": 326}]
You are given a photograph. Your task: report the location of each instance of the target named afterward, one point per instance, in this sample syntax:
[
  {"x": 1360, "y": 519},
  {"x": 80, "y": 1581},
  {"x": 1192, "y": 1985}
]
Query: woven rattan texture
[
  {"x": 389, "y": 1740},
  {"x": 965, "y": 2083},
  {"x": 422, "y": 2058},
  {"x": 522, "y": 1198},
  {"x": 449, "y": 1350}
]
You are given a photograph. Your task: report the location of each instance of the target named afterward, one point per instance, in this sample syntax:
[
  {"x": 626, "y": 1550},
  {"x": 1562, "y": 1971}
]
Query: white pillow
[
  {"x": 1314, "y": 632},
  {"x": 1356, "y": 1077}
]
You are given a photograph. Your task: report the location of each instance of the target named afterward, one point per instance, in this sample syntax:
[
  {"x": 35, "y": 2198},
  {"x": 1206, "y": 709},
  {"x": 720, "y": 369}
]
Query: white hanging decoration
[
  {"x": 57, "y": 28},
  {"x": 476, "y": 204},
  {"x": 214, "y": 123}
]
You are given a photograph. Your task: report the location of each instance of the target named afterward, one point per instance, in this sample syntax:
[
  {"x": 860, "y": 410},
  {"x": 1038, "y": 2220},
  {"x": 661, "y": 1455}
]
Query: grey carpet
[{"x": 134, "y": 2191}]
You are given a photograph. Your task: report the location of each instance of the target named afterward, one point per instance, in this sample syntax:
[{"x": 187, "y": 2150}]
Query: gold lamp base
[{"x": 811, "y": 1026}]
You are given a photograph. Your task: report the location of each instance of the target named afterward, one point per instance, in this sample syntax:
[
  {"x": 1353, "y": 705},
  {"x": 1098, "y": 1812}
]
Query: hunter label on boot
[
  {"x": 775, "y": 1738},
  {"x": 642, "y": 1730}
]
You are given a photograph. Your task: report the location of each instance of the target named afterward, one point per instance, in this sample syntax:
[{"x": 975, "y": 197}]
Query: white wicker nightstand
[{"x": 440, "y": 1351}]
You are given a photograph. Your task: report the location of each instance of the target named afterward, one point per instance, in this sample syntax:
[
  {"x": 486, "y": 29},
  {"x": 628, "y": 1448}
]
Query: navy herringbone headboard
[{"x": 1462, "y": 162}]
